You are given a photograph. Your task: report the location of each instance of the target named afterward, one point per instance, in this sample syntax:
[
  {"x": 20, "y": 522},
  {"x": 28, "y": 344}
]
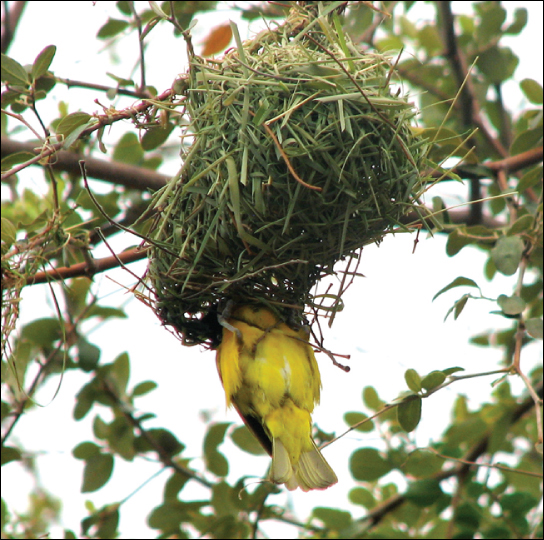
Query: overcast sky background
[{"x": 388, "y": 326}]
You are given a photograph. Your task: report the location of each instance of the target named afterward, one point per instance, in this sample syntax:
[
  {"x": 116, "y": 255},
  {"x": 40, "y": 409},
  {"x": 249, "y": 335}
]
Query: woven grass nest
[{"x": 300, "y": 156}]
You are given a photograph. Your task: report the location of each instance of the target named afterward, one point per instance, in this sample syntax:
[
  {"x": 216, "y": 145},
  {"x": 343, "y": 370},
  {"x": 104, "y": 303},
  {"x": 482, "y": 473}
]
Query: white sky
[{"x": 389, "y": 324}]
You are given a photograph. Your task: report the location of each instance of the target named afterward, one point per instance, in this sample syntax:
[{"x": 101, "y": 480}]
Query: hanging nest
[{"x": 300, "y": 156}]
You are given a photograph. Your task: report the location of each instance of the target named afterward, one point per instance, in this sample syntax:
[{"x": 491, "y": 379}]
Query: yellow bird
[{"x": 270, "y": 375}]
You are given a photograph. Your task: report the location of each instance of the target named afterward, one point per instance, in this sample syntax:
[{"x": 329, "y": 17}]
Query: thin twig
[
  {"x": 103, "y": 88},
  {"x": 140, "y": 45},
  {"x": 102, "y": 120},
  {"x": 287, "y": 161},
  {"x": 485, "y": 465}
]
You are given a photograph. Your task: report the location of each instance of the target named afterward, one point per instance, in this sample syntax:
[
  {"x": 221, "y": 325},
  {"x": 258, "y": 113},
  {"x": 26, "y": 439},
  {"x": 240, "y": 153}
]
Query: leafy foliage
[{"x": 481, "y": 474}]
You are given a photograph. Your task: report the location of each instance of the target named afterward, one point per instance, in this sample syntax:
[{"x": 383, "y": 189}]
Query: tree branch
[
  {"x": 468, "y": 103},
  {"x": 517, "y": 162},
  {"x": 108, "y": 171},
  {"x": 103, "y": 88},
  {"x": 12, "y": 16},
  {"x": 102, "y": 120},
  {"x": 164, "y": 457},
  {"x": 364, "y": 525},
  {"x": 87, "y": 269}
]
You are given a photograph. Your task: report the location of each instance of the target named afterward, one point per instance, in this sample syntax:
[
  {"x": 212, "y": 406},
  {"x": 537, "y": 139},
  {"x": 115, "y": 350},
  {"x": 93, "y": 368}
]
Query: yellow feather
[{"x": 270, "y": 375}]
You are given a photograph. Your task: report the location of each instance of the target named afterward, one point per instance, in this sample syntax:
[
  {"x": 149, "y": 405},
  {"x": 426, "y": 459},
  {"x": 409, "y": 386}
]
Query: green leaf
[
  {"x": 498, "y": 64},
  {"x": 146, "y": 416},
  {"x": 389, "y": 43},
  {"x": 244, "y": 440},
  {"x": 467, "y": 516},
  {"x": 124, "y": 7},
  {"x": 44, "y": 85},
  {"x": 105, "y": 312},
  {"x": 467, "y": 431},
  {"x": 43, "y": 61},
  {"x": 128, "y": 149},
  {"x": 97, "y": 472},
  {"x": 71, "y": 122},
  {"x": 121, "y": 81},
  {"x": 458, "y": 307},
  {"x": 371, "y": 398},
  {"x": 88, "y": 355},
  {"x": 497, "y": 533},
  {"x": 6, "y": 410},
  {"x": 352, "y": 418},
  {"x": 120, "y": 373},
  {"x": 105, "y": 519},
  {"x": 10, "y": 453},
  {"x": 433, "y": 379},
  {"x": 522, "y": 224},
  {"x": 112, "y": 28},
  {"x": 413, "y": 380},
  {"x": 367, "y": 465},
  {"x": 43, "y": 332},
  {"x": 77, "y": 296},
  {"x": 422, "y": 463},
  {"x": 155, "y": 137},
  {"x": 480, "y": 339},
  {"x": 429, "y": 38},
  {"x": 14, "y": 159},
  {"x": 76, "y": 134},
  {"x": 507, "y": 254},
  {"x": 511, "y": 305},
  {"x": 520, "y": 20},
  {"x": 499, "y": 432},
  {"x": 108, "y": 522},
  {"x": 9, "y": 232},
  {"x": 492, "y": 17},
  {"x": 163, "y": 439},
  {"x": 464, "y": 236},
  {"x": 498, "y": 203},
  {"x": 450, "y": 371},
  {"x": 144, "y": 388},
  {"x": 333, "y": 518},
  {"x": 13, "y": 73},
  {"x": 530, "y": 179},
  {"x": 85, "y": 400},
  {"x": 534, "y": 328},
  {"x": 527, "y": 140},
  {"x": 168, "y": 516},
  {"x": 424, "y": 492},
  {"x": 121, "y": 438},
  {"x": 457, "y": 282},
  {"x": 86, "y": 450},
  {"x": 407, "y": 27},
  {"x": 101, "y": 429},
  {"x": 215, "y": 461},
  {"x": 439, "y": 210},
  {"x": 467, "y": 23},
  {"x": 362, "y": 497},
  {"x": 157, "y": 10},
  {"x": 225, "y": 501},
  {"x": 215, "y": 436},
  {"x": 532, "y": 90},
  {"x": 409, "y": 413},
  {"x": 174, "y": 485},
  {"x": 518, "y": 503}
]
